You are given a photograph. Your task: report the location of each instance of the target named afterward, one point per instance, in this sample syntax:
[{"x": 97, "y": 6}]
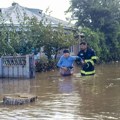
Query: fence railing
[{"x": 17, "y": 66}]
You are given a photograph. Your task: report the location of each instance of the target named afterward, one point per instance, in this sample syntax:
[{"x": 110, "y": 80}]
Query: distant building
[{"x": 16, "y": 14}]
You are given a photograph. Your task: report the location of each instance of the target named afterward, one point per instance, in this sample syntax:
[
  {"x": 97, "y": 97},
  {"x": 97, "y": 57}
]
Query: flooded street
[{"x": 66, "y": 98}]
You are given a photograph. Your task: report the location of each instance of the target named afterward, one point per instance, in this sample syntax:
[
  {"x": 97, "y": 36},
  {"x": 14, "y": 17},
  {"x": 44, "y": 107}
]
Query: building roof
[{"x": 16, "y": 13}]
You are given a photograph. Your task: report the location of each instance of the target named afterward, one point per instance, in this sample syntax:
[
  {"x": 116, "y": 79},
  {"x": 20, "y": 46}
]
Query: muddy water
[{"x": 66, "y": 98}]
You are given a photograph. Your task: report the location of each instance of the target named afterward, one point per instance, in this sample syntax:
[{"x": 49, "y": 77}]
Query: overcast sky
[{"x": 56, "y": 6}]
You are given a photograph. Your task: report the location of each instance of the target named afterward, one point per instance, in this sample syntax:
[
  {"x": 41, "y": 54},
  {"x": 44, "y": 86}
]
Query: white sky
[{"x": 56, "y": 6}]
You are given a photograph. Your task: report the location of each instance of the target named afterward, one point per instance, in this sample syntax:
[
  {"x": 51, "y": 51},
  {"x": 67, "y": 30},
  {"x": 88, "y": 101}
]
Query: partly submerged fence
[{"x": 17, "y": 66}]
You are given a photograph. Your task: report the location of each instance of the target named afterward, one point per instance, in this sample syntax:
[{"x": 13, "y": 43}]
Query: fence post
[
  {"x": 1, "y": 68},
  {"x": 33, "y": 67},
  {"x": 27, "y": 66},
  {"x": 30, "y": 67}
]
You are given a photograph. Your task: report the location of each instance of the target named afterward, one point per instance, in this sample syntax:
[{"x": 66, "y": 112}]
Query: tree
[
  {"x": 93, "y": 13},
  {"x": 5, "y": 46},
  {"x": 101, "y": 16},
  {"x": 31, "y": 35},
  {"x": 59, "y": 39}
]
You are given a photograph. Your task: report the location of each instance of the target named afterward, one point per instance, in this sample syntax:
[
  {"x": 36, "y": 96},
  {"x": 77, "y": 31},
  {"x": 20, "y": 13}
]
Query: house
[{"x": 16, "y": 13}]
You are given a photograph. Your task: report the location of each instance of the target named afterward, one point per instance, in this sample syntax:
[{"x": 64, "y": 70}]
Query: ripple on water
[{"x": 68, "y": 98}]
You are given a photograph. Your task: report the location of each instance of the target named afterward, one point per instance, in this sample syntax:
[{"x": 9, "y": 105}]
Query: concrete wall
[{"x": 17, "y": 66}]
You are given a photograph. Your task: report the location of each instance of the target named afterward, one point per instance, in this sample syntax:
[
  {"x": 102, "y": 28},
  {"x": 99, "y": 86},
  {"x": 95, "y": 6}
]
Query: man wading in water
[
  {"x": 66, "y": 63},
  {"x": 89, "y": 59}
]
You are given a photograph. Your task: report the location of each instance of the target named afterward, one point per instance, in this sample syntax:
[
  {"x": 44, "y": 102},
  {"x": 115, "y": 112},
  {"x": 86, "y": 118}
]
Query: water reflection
[
  {"x": 66, "y": 85},
  {"x": 11, "y": 86}
]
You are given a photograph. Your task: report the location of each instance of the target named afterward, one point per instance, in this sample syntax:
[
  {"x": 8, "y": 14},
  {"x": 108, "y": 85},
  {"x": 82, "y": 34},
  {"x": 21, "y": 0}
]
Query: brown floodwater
[{"x": 66, "y": 98}]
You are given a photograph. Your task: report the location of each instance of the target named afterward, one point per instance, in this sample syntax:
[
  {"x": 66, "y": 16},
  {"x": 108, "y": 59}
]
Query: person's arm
[
  {"x": 94, "y": 57},
  {"x": 78, "y": 59}
]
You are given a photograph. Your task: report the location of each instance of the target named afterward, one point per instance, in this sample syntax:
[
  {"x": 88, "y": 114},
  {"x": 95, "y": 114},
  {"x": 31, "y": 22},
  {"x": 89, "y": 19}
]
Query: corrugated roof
[{"x": 16, "y": 14}]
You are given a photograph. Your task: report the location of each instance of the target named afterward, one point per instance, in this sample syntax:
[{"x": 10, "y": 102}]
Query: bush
[{"x": 43, "y": 65}]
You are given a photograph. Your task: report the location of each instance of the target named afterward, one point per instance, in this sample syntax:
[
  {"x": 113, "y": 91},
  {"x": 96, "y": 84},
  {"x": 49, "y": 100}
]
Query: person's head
[
  {"x": 83, "y": 45},
  {"x": 66, "y": 53}
]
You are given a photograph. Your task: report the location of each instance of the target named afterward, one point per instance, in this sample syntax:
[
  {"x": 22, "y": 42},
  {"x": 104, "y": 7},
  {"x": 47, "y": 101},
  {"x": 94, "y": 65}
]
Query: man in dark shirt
[{"x": 88, "y": 59}]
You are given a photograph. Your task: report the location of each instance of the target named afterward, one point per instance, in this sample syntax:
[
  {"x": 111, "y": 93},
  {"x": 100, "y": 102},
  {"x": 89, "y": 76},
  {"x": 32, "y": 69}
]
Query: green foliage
[
  {"x": 43, "y": 65},
  {"x": 57, "y": 39},
  {"x": 93, "y": 13},
  {"x": 103, "y": 19},
  {"x": 33, "y": 35},
  {"x": 4, "y": 42},
  {"x": 92, "y": 38}
]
